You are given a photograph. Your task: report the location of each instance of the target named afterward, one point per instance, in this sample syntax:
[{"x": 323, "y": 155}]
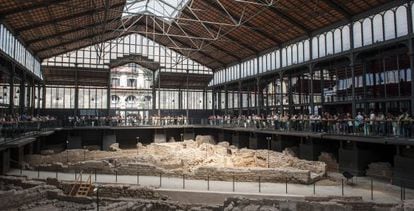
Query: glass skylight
[{"x": 164, "y": 9}]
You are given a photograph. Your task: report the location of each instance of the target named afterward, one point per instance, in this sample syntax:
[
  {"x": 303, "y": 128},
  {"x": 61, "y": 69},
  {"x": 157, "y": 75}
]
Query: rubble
[
  {"x": 331, "y": 162},
  {"x": 114, "y": 147},
  {"x": 205, "y": 140}
]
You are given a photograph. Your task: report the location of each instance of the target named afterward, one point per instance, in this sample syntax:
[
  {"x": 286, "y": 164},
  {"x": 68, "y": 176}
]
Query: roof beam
[
  {"x": 261, "y": 32},
  {"x": 187, "y": 46},
  {"x": 78, "y": 39},
  {"x": 60, "y": 34},
  {"x": 31, "y": 7},
  {"x": 339, "y": 8},
  {"x": 66, "y": 18},
  {"x": 217, "y": 47},
  {"x": 240, "y": 42},
  {"x": 290, "y": 19}
]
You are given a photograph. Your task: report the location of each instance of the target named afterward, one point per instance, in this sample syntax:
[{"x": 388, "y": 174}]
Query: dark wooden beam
[
  {"x": 248, "y": 25},
  {"x": 65, "y": 18},
  {"x": 339, "y": 8},
  {"x": 61, "y": 34},
  {"x": 78, "y": 39},
  {"x": 31, "y": 7},
  {"x": 290, "y": 19}
]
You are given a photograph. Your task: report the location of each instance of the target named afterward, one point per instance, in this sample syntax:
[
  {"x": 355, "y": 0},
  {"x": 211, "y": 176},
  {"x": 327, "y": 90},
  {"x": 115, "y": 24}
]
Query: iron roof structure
[{"x": 215, "y": 33}]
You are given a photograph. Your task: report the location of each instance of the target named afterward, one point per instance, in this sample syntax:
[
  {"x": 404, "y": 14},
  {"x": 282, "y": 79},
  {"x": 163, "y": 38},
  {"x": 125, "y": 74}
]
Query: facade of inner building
[{"x": 328, "y": 75}]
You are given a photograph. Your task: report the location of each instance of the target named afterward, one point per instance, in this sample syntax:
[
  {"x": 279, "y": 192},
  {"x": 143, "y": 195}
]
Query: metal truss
[{"x": 156, "y": 25}]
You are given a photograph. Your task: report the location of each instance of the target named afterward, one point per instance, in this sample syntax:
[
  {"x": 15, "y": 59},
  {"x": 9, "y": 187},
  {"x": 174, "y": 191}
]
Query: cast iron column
[
  {"x": 154, "y": 93},
  {"x": 22, "y": 97},
  {"x": 11, "y": 89},
  {"x": 38, "y": 98},
  {"x": 108, "y": 93},
  {"x": 240, "y": 98},
  {"x": 75, "y": 111},
  {"x": 352, "y": 66},
  {"x": 311, "y": 100},
  {"x": 411, "y": 50},
  {"x": 226, "y": 100},
  {"x": 43, "y": 95},
  {"x": 282, "y": 110}
]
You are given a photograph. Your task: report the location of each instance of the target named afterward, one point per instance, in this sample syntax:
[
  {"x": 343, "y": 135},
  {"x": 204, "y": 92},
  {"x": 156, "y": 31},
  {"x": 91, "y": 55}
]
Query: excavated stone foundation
[{"x": 195, "y": 159}]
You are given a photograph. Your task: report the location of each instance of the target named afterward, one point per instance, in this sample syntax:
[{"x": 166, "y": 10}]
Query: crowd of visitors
[
  {"x": 15, "y": 125},
  {"x": 9, "y": 119},
  {"x": 371, "y": 124},
  {"x": 362, "y": 124},
  {"x": 131, "y": 120}
]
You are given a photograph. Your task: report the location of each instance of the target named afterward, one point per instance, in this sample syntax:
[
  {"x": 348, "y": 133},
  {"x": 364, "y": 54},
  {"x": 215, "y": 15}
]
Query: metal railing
[
  {"x": 350, "y": 127},
  {"x": 14, "y": 130},
  {"x": 110, "y": 122},
  {"x": 366, "y": 187},
  {"x": 384, "y": 128}
]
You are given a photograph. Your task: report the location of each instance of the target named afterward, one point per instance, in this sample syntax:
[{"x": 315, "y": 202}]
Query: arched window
[
  {"x": 306, "y": 50},
  {"x": 346, "y": 44},
  {"x": 130, "y": 99},
  {"x": 337, "y": 41},
  {"x": 322, "y": 46},
  {"x": 300, "y": 52},
  {"x": 289, "y": 55},
  {"x": 378, "y": 29},
  {"x": 357, "y": 34},
  {"x": 295, "y": 54},
  {"x": 329, "y": 43},
  {"x": 315, "y": 47},
  {"x": 277, "y": 59},
  {"x": 284, "y": 59},
  {"x": 114, "y": 99},
  {"x": 367, "y": 29},
  {"x": 402, "y": 26},
  {"x": 389, "y": 25}
]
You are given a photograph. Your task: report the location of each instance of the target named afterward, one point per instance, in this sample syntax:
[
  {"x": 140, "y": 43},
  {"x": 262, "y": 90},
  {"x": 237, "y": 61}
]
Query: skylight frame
[{"x": 166, "y": 10}]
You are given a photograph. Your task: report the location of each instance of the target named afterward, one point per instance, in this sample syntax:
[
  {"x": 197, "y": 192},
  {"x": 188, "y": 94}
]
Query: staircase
[{"x": 81, "y": 188}]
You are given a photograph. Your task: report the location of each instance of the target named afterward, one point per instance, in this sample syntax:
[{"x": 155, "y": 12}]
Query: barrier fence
[
  {"x": 13, "y": 130},
  {"x": 385, "y": 128},
  {"x": 367, "y": 188}
]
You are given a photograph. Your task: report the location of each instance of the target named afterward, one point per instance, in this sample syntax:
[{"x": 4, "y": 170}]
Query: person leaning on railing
[{"x": 405, "y": 124}]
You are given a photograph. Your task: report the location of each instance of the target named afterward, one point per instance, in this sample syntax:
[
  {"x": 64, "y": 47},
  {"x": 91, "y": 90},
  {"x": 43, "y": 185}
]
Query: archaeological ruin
[{"x": 219, "y": 105}]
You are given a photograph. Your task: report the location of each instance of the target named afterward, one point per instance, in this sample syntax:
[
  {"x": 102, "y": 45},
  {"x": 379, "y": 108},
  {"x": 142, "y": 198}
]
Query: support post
[
  {"x": 311, "y": 100},
  {"x": 22, "y": 94},
  {"x": 75, "y": 111},
  {"x": 11, "y": 89},
  {"x": 108, "y": 94},
  {"x": 410, "y": 50},
  {"x": 281, "y": 93},
  {"x": 226, "y": 100},
  {"x": 352, "y": 66},
  {"x": 43, "y": 96},
  {"x": 38, "y": 98},
  {"x": 154, "y": 93},
  {"x": 240, "y": 99},
  {"x": 259, "y": 97}
]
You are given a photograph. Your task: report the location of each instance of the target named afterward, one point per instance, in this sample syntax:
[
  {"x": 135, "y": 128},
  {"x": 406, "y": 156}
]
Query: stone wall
[
  {"x": 12, "y": 198},
  {"x": 194, "y": 159},
  {"x": 310, "y": 204},
  {"x": 119, "y": 197},
  {"x": 20, "y": 181}
]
